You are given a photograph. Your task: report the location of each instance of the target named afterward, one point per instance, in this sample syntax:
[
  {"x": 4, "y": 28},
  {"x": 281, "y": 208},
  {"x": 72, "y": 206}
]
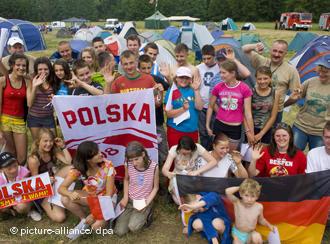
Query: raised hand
[
  {"x": 39, "y": 79},
  {"x": 256, "y": 153}
]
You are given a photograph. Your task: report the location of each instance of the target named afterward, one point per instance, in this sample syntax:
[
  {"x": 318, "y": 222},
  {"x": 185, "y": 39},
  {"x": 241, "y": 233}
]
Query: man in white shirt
[{"x": 318, "y": 159}]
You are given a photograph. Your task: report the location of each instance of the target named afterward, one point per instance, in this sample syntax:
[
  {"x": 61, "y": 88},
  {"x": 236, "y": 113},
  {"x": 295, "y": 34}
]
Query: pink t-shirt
[
  {"x": 231, "y": 107},
  {"x": 21, "y": 174}
]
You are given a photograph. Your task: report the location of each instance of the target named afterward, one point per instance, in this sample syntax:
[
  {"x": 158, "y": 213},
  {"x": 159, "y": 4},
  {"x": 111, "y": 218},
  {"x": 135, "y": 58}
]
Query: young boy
[
  {"x": 82, "y": 83},
  {"x": 247, "y": 212},
  {"x": 208, "y": 216},
  {"x": 11, "y": 171}
]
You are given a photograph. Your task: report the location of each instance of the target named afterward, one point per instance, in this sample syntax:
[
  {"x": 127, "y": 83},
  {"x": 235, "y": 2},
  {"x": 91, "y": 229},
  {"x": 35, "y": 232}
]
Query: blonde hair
[
  {"x": 36, "y": 143},
  {"x": 251, "y": 187}
]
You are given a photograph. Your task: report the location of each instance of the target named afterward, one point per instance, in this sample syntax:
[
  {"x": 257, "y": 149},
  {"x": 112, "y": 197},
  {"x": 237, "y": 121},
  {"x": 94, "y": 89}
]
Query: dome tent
[
  {"x": 28, "y": 32},
  {"x": 156, "y": 21}
]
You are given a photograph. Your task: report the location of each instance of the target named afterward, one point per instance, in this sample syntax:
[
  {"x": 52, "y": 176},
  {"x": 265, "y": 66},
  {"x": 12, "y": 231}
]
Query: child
[
  {"x": 11, "y": 171},
  {"x": 185, "y": 156},
  {"x": 45, "y": 152},
  {"x": 234, "y": 107},
  {"x": 226, "y": 161},
  {"x": 209, "y": 216},
  {"x": 264, "y": 105},
  {"x": 247, "y": 212},
  {"x": 185, "y": 99},
  {"x": 141, "y": 184},
  {"x": 62, "y": 74},
  {"x": 38, "y": 97},
  {"x": 98, "y": 175},
  {"x": 81, "y": 81}
]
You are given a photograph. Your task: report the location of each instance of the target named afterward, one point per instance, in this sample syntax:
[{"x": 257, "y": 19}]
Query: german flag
[{"x": 298, "y": 205}]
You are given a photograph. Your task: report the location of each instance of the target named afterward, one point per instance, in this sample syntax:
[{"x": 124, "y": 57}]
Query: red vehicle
[
  {"x": 324, "y": 22},
  {"x": 296, "y": 21}
]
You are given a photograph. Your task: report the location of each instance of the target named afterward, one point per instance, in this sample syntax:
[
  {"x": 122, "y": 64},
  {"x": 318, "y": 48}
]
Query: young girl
[
  {"x": 247, "y": 212},
  {"x": 234, "y": 107},
  {"x": 185, "y": 156},
  {"x": 39, "y": 95},
  {"x": 46, "y": 151},
  {"x": 264, "y": 105},
  {"x": 98, "y": 175},
  {"x": 141, "y": 184},
  {"x": 185, "y": 98},
  {"x": 13, "y": 90},
  {"x": 226, "y": 161},
  {"x": 89, "y": 56},
  {"x": 11, "y": 171},
  {"x": 62, "y": 74},
  {"x": 208, "y": 216}
]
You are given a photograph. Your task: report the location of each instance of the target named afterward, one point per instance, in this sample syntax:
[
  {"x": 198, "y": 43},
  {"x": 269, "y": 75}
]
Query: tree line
[{"x": 206, "y": 10}]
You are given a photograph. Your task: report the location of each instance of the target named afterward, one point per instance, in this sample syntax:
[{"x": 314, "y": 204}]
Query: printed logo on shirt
[
  {"x": 140, "y": 179},
  {"x": 229, "y": 103},
  {"x": 208, "y": 76}
]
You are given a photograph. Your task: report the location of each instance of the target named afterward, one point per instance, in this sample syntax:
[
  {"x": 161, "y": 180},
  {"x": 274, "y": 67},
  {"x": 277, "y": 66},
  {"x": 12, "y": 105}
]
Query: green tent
[
  {"x": 156, "y": 21},
  {"x": 300, "y": 40},
  {"x": 250, "y": 38}
]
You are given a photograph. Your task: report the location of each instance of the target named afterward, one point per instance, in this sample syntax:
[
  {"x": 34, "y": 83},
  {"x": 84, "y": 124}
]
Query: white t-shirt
[
  {"x": 317, "y": 160},
  {"x": 207, "y": 74},
  {"x": 221, "y": 169}
]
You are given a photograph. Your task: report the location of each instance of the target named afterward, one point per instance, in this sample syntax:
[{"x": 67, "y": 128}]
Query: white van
[
  {"x": 111, "y": 23},
  {"x": 57, "y": 24}
]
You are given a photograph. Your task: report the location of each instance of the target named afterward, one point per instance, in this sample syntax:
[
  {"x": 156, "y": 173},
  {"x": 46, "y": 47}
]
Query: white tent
[
  {"x": 128, "y": 29},
  {"x": 84, "y": 34},
  {"x": 249, "y": 26}
]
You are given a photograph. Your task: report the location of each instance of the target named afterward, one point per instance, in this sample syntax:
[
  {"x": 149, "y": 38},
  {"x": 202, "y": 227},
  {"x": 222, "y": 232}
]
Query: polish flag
[
  {"x": 174, "y": 94},
  {"x": 101, "y": 207}
]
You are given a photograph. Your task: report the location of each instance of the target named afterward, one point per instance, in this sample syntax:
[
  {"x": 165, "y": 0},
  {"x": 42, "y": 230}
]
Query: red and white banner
[
  {"x": 101, "y": 207},
  {"x": 112, "y": 121},
  {"x": 25, "y": 190}
]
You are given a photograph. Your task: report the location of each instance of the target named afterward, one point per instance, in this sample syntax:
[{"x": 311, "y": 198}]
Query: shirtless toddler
[{"x": 247, "y": 212}]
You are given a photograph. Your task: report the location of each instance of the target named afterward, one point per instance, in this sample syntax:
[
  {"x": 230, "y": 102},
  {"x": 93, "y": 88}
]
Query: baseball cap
[
  {"x": 324, "y": 61},
  {"x": 183, "y": 71},
  {"x": 13, "y": 40},
  {"x": 6, "y": 159}
]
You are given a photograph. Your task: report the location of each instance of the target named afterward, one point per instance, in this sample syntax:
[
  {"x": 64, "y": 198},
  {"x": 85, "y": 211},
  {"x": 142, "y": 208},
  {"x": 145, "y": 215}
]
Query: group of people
[{"x": 212, "y": 114}]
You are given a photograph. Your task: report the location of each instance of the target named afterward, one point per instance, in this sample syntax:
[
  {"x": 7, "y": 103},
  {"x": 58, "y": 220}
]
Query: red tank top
[{"x": 13, "y": 99}]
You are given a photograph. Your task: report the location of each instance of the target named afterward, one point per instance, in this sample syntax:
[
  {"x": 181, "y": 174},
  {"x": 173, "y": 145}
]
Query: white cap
[
  {"x": 13, "y": 40},
  {"x": 183, "y": 71}
]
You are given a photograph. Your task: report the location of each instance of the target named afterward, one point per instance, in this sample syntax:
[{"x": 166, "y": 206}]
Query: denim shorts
[{"x": 40, "y": 122}]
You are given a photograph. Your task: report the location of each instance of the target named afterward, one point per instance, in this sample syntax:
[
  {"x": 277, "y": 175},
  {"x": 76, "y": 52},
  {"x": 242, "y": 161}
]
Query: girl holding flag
[
  {"x": 98, "y": 176},
  {"x": 182, "y": 105}
]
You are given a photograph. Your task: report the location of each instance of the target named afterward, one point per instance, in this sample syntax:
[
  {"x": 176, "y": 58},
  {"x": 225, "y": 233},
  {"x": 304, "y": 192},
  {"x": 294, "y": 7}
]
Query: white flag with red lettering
[{"x": 101, "y": 207}]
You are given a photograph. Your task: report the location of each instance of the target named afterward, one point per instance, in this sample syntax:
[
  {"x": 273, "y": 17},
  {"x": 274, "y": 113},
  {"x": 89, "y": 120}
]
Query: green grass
[{"x": 166, "y": 227}]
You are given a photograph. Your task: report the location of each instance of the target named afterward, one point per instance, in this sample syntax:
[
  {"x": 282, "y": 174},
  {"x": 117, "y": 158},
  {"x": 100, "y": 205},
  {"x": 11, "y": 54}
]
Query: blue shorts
[
  {"x": 242, "y": 236},
  {"x": 40, "y": 122}
]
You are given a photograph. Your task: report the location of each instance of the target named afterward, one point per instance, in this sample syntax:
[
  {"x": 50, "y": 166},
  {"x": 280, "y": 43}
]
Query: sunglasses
[{"x": 283, "y": 125}]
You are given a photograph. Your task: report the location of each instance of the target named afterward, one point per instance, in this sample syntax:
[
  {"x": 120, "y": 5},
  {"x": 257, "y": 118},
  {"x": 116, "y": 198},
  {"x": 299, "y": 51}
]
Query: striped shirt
[
  {"x": 141, "y": 183},
  {"x": 41, "y": 106}
]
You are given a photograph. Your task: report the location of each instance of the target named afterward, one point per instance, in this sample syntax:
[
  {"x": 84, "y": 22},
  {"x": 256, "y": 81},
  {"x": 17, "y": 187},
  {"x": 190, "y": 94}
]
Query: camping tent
[
  {"x": 128, "y": 29},
  {"x": 29, "y": 33},
  {"x": 150, "y": 36},
  {"x": 164, "y": 55},
  {"x": 217, "y": 33},
  {"x": 306, "y": 58},
  {"x": 195, "y": 36},
  {"x": 300, "y": 40},
  {"x": 79, "y": 45},
  {"x": 104, "y": 34},
  {"x": 249, "y": 38},
  {"x": 87, "y": 34},
  {"x": 64, "y": 33},
  {"x": 225, "y": 42},
  {"x": 228, "y": 24},
  {"x": 156, "y": 21},
  {"x": 248, "y": 26},
  {"x": 172, "y": 34},
  {"x": 75, "y": 21}
]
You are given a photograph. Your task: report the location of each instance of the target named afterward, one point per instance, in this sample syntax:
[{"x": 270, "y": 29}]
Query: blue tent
[
  {"x": 27, "y": 31},
  {"x": 226, "y": 40},
  {"x": 104, "y": 34},
  {"x": 171, "y": 34},
  {"x": 217, "y": 33},
  {"x": 300, "y": 40},
  {"x": 305, "y": 59}
]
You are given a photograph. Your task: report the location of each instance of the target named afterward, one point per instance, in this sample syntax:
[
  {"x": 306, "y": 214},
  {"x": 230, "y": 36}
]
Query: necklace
[{"x": 270, "y": 67}]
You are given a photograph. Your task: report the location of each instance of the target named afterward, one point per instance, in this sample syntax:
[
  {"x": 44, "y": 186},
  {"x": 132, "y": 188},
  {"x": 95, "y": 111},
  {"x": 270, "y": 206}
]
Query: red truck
[
  {"x": 296, "y": 21},
  {"x": 324, "y": 22}
]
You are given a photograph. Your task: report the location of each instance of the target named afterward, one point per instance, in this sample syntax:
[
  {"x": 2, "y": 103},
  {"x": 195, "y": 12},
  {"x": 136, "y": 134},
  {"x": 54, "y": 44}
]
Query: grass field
[{"x": 166, "y": 227}]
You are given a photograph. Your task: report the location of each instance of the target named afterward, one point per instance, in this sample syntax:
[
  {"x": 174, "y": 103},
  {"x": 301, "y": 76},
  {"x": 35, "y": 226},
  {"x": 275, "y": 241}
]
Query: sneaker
[
  {"x": 76, "y": 231},
  {"x": 34, "y": 215}
]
